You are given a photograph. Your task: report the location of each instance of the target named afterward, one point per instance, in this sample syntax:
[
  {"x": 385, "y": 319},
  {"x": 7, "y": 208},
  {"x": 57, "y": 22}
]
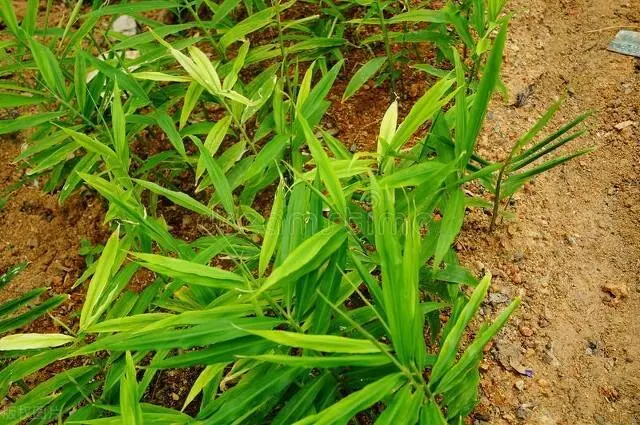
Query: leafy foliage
[{"x": 312, "y": 310}]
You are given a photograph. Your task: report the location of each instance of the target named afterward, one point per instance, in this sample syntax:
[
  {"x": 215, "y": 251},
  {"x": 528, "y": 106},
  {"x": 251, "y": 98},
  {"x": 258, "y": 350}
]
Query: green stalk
[
  {"x": 387, "y": 49},
  {"x": 283, "y": 52},
  {"x": 496, "y": 201}
]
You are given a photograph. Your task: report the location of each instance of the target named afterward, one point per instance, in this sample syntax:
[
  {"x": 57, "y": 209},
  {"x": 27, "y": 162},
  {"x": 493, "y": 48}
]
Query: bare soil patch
[{"x": 573, "y": 251}]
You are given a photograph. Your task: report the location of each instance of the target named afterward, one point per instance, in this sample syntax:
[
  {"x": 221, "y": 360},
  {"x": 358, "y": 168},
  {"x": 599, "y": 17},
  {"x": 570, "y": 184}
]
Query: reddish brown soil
[{"x": 36, "y": 229}]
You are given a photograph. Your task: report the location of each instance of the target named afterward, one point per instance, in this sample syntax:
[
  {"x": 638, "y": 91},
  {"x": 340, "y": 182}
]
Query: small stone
[
  {"x": 600, "y": 420},
  {"x": 624, "y": 124},
  {"x": 414, "y": 90},
  {"x": 617, "y": 290},
  {"x": 187, "y": 220},
  {"x": 543, "y": 322},
  {"x": 124, "y": 24},
  {"x": 175, "y": 396},
  {"x": 519, "y": 384},
  {"x": 570, "y": 240},
  {"x": 497, "y": 298},
  {"x": 523, "y": 411},
  {"x": 510, "y": 357},
  {"x": 332, "y": 131},
  {"x": 518, "y": 257},
  {"x": 525, "y": 331},
  {"x": 609, "y": 392},
  {"x": 550, "y": 358}
]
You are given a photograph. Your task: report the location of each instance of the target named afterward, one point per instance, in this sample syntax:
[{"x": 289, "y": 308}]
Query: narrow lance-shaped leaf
[
  {"x": 252, "y": 23},
  {"x": 327, "y": 173},
  {"x": 515, "y": 181},
  {"x": 408, "y": 301},
  {"x": 238, "y": 62},
  {"x": 450, "y": 345},
  {"x": 347, "y": 407},
  {"x": 307, "y": 256},
  {"x": 9, "y": 18},
  {"x": 537, "y": 127},
  {"x": 425, "y": 107},
  {"x": 119, "y": 126},
  {"x": 515, "y": 166},
  {"x": 206, "y": 69},
  {"x": 165, "y": 122},
  {"x": 461, "y": 106},
  {"x": 222, "y": 10},
  {"x": 431, "y": 414},
  {"x": 362, "y": 75},
  {"x": 313, "y": 362},
  {"x": 130, "y": 407},
  {"x": 486, "y": 87},
  {"x": 218, "y": 178},
  {"x": 453, "y": 216},
  {"x": 100, "y": 279},
  {"x": 301, "y": 402},
  {"x": 42, "y": 395},
  {"x": 32, "y": 341},
  {"x": 133, "y": 212},
  {"x": 8, "y": 100},
  {"x": 212, "y": 142},
  {"x": 305, "y": 86},
  {"x": 131, "y": 8},
  {"x": 561, "y": 131},
  {"x": 403, "y": 409},
  {"x": 49, "y": 68},
  {"x": 272, "y": 231},
  {"x": 30, "y": 121},
  {"x": 474, "y": 351},
  {"x": 80, "y": 81},
  {"x": 387, "y": 130},
  {"x": 11, "y": 273},
  {"x": 205, "y": 377},
  {"x": 190, "y": 100},
  {"x": 324, "y": 343},
  {"x": 190, "y": 272},
  {"x": 27, "y": 317},
  {"x": 178, "y": 198}
]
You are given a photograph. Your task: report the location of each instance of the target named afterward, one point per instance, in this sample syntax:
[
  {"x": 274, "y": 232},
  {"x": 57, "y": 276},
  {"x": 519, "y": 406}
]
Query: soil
[
  {"x": 573, "y": 252},
  {"x": 570, "y": 354},
  {"x": 35, "y": 228}
]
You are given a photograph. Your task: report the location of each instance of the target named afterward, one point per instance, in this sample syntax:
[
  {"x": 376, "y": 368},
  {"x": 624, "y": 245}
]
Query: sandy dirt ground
[{"x": 572, "y": 252}]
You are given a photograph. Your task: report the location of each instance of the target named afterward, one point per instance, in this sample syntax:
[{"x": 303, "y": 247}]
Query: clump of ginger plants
[{"x": 329, "y": 302}]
